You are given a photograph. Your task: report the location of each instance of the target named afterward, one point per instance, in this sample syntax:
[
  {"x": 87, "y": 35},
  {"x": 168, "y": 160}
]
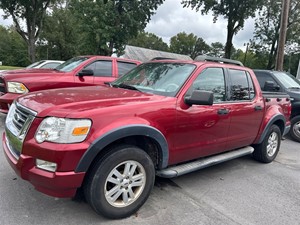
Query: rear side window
[
  {"x": 101, "y": 68},
  {"x": 124, "y": 67},
  {"x": 241, "y": 85}
]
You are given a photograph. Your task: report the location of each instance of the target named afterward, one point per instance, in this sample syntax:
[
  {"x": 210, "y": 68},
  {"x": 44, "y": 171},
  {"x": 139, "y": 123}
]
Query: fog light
[{"x": 45, "y": 165}]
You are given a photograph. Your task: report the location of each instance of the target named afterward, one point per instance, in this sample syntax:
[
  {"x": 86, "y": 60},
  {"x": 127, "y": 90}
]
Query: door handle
[
  {"x": 223, "y": 111},
  {"x": 258, "y": 108}
]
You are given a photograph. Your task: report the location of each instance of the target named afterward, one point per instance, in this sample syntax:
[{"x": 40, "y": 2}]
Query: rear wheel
[
  {"x": 295, "y": 128},
  {"x": 267, "y": 150},
  {"x": 120, "y": 183}
]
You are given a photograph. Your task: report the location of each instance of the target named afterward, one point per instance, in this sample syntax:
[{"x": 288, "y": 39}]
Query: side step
[{"x": 178, "y": 170}]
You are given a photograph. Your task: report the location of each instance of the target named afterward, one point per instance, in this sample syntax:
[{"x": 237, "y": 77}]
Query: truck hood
[
  {"x": 23, "y": 73},
  {"x": 66, "y": 101}
]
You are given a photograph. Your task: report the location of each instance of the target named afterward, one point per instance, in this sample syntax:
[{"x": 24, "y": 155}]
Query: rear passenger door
[{"x": 246, "y": 109}]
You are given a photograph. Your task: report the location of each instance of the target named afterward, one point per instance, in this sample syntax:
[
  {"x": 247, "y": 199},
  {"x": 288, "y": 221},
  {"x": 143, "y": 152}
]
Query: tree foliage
[
  {"x": 267, "y": 27},
  {"x": 13, "y": 49},
  {"x": 188, "y": 44},
  {"x": 150, "y": 41},
  {"x": 108, "y": 26},
  {"x": 217, "y": 49},
  {"x": 235, "y": 11},
  {"x": 60, "y": 37},
  {"x": 32, "y": 13}
]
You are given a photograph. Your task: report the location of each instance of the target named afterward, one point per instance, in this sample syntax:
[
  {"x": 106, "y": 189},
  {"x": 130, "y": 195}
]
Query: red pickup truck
[
  {"x": 164, "y": 118},
  {"x": 78, "y": 71}
]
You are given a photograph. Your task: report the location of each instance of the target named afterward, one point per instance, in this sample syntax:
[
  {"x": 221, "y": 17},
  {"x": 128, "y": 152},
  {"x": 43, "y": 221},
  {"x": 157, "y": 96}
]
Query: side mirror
[
  {"x": 200, "y": 98},
  {"x": 271, "y": 86},
  {"x": 86, "y": 72}
]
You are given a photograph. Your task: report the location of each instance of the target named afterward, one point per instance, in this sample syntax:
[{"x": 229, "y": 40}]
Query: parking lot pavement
[{"x": 240, "y": 191}]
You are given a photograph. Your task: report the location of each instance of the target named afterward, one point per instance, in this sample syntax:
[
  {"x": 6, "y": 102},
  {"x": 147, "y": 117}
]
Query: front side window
[
  {"x": 262, "y": 78},
  {"x": 241, "y": 85},
  {"x": 101, "y": 68},
  {"x": 156, "y": 77},
  {"x": 211, "y": 79}
]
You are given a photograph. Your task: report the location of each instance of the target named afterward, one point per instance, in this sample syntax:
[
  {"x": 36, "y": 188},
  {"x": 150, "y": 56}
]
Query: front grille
[
  {"x": 2, "y": 85},
  {"x": 19, "y": 118},
  {"x": 18, "y": 121}
]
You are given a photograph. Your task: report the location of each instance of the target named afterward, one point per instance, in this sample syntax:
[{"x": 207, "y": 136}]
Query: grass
[{"x": 9, "y": 67}]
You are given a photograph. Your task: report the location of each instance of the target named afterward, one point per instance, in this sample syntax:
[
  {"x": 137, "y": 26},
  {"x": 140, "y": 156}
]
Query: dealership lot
[{"x": 240, "y": 191}]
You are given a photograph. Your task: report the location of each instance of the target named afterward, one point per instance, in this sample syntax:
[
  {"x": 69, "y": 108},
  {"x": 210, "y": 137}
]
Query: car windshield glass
[
  {"x": 157, "y": 78},
  {"x": 33, "y": 65},
  {"x": 71, "y": 64},
  {"x": 288, "y": 81}
]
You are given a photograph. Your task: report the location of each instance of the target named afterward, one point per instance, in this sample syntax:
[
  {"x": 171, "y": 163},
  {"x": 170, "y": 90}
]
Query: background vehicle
[
  {"x": 78, "y": 71},
  {"x": 45, "y": 64},
  {"x": 283, "y": 82},
  {"x": 165, "y": 118}
]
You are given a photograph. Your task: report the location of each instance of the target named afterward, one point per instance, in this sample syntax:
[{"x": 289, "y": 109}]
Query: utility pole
[{"x": 282, "y": 34}]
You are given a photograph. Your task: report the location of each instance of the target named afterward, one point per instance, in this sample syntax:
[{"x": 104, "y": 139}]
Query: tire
[
  {"x": 120, "y": 182},
  {"x": 267, "y": 151},
  {"x": 295, "y": 128}
]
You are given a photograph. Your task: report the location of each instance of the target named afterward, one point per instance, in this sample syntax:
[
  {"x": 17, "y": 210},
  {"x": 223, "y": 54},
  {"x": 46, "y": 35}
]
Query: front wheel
[
  {"x": 295, "y": 128},
  {"x": 267, "y": 150},
  {"x": 120, "y": 182}
]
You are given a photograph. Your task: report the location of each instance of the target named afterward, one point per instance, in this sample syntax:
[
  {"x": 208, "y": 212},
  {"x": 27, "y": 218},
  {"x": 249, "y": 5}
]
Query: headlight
[
  {"x": 16, "y": 87},
  {"x": 60, "y": 130}
]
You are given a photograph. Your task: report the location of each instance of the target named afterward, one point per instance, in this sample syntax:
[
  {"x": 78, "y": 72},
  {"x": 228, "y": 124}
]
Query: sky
[{"x": 171, "y": 18}]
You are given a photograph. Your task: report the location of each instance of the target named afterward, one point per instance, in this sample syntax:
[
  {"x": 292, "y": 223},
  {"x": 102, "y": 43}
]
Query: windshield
[
  {"x": 33, "y": 65},
  {"x": 71, "y": 64},
  {"x": 157, "y": 78},
  {"x": 287, "y": 80}
]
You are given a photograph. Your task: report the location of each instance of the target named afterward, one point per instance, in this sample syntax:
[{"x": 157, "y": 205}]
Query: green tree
[
  {"x": 150, "y": 41},
  {"x": 235, "y": 11},
  {"x": 188, "y": 44},
  {"x": 267, "y": 27},
  {"x": 61, "y": 36},
  {"x": 108, "y": 26},
  {"x": 13, "y": 51},
  {"x": 32, "y": 13},
  {"x": 217, "y": 49}
]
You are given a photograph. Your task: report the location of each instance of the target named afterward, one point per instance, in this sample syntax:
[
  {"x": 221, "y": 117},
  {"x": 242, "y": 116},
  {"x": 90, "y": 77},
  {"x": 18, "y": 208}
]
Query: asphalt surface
[{"x": 240, "y": 191}]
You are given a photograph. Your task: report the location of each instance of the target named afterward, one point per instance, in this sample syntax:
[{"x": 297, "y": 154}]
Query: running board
[{"x": 178, "y": 170}]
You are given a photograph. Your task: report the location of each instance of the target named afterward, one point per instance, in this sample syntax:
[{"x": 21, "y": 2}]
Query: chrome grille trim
[
  {"x": 17, "y": 123},
  {"x": 19, "y": 120}
]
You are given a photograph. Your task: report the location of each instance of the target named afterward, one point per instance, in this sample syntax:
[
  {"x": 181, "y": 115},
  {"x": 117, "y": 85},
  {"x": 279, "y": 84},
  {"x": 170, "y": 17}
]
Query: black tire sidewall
[
  {"x": 267, "y": 158},
  {"x": 96, "y": 188},
  {"x": 293, "y": 122}
]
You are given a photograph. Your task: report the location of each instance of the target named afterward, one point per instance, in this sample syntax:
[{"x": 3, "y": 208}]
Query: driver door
[{"x": 203, "y": 130}]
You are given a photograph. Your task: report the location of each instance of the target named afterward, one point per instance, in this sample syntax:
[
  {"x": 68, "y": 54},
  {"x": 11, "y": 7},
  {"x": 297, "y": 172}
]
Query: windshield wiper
[
  {"x": 294, "y": 88},
  {"x": 126, "y": 86}
]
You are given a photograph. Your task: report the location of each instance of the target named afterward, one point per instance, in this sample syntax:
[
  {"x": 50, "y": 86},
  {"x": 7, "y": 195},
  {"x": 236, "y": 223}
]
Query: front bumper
[
  {"x": 57, "y": 184},
  {"x": 6, "y": 99}
]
